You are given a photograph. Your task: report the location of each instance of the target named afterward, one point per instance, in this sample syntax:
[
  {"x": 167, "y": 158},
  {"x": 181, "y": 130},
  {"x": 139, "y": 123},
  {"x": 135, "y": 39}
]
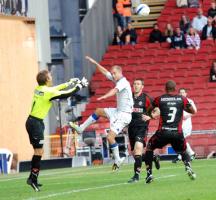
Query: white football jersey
[{"x": 124, "y": 95}]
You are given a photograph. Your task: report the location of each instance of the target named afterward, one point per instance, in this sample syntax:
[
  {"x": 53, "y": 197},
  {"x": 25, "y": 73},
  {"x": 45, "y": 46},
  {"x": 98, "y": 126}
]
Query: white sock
[
  {"x": 189, "y": 150},
  {"x": 179, "y": 157},
  {"x": 115, "y": 151},
  {"x": 91, "y": 120}
]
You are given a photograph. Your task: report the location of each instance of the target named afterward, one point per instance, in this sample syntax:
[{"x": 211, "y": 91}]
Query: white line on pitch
[{"x": 88, "y": 189}]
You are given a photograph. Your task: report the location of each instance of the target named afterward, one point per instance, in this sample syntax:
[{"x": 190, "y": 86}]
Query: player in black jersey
[
  {"x": 169, "y": 131},
  {"x": 138, "y": 128}
]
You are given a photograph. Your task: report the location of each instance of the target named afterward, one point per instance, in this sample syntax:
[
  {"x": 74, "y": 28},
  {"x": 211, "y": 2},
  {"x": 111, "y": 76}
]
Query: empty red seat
[
  {"x": 206, "y": 43},
  {"x": 173, "y": 59},
  {"x": 153, "y": 46},
  {"x": 114, "y": 48},
  {"x": 127, "y": 47}
]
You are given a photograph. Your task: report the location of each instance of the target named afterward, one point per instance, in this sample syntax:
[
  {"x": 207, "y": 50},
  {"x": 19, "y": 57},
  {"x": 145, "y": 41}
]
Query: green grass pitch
[{"x": 99, "y": 183}]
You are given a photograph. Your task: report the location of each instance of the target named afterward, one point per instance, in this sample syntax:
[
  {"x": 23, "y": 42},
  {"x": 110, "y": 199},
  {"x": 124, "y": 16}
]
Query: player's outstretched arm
[
  {"x": 103, "y": 70},
  {"x": 109, "y": 94},
  {"x": 67, "y": 84},
  {"x": 67, "y": 93}
]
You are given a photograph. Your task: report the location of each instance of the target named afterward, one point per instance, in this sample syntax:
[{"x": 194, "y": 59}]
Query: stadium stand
[{"x": 157, "y": 63}]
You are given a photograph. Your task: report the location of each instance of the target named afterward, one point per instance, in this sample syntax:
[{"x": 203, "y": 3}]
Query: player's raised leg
[{"x": 99, "y": 112}]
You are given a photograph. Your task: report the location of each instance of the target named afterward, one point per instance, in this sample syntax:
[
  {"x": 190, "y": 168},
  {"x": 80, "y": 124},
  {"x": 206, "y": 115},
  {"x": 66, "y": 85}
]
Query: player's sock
[
  {"x": 35, "y": 167},
  {"x": 91, "y": 120},
  {"x": 148, "y": 162},
  {"x": 185, "y": 158},
  {"x": 115, "y": 150},
  {"x": 137, "y": 164},
  {"x": 143, "y": 157},
  {"x": 189, "y": 150},
  {"x": 179, "y": 157}
]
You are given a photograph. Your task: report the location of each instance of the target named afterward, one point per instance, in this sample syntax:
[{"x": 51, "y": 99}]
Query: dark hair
[
  {"x": 170, "y": 86},
  {"x": 139, "y": 79},
  {"x": 182, "y": 89},
  {"x": 42, "y": 77}
]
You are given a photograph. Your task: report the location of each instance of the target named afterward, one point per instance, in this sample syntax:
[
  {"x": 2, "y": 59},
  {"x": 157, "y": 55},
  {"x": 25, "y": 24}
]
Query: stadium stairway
[
  {"x": 156, "y": 7},
  {"x": 157, "y": 63}
]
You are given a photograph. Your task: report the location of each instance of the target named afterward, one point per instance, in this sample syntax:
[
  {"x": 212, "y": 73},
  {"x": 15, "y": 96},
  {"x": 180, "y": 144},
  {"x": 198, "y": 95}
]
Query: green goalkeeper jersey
[{"x": 43, "y": 96}]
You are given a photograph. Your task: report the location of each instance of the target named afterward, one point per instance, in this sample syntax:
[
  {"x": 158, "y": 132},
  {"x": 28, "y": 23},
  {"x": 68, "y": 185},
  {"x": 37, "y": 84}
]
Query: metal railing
[{"x": 14, "y": 7}]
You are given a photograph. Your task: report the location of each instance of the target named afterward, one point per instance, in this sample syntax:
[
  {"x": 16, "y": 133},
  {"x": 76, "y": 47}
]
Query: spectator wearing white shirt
[
  {"x": 199, "y": 21},
  {"x": 193, "y": 39}
]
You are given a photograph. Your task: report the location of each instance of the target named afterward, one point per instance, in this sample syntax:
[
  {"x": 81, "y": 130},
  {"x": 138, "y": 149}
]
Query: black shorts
[
  {"x": 137, "y": 134},
  {"x": 35, "y": 128},
  {"x": 162, "y": 138}
]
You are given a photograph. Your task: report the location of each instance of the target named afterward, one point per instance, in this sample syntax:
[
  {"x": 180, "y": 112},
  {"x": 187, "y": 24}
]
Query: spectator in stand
[
  {"x": 178, "y": 39},
  {"x": 129, "y": 35},
  {"x": 168, "y": 33},
  {"x": 119, "y": 14},
  {"x": 118, "y": 36},
  {"x": 193, "y": 3},
  {"x": 213, "y": 72},
  {"x": 199, "y": 21},
  {"x": 212, "y": 10},
  {"x": 209, "y": 31},
  {"x": 182, "y": 3},
  {"x": 118, "y": 18},
  {"x": 184, "y": 24},
  {"x": 156, "y": 35},
  {"x": 193, "y": 39},
  {"x": 126, "y": 12}
]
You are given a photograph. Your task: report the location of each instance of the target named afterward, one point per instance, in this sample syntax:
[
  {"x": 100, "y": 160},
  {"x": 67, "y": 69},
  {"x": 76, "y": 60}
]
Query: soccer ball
[{"x": 142, "y": 9}]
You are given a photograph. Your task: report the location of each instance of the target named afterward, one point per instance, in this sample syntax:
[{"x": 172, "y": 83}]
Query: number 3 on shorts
[{"x": 172, "y": 114}]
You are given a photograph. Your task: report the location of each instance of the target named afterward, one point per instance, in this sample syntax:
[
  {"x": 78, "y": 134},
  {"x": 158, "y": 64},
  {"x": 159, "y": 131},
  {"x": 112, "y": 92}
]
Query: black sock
[
  {"x": 186, "y": 159},
  {"x": 35, "y": 167},
  {"x": 148, "y": 161},
  {"x": 137, "y": 164},
  {"x": 143, "y": 157}
]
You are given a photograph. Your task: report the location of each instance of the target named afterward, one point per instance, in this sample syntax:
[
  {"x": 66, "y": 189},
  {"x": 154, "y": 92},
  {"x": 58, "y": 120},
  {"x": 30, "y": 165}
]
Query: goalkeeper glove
[
  {"x": 73, "y": 81},
  {"x": 83, "y": 83}
]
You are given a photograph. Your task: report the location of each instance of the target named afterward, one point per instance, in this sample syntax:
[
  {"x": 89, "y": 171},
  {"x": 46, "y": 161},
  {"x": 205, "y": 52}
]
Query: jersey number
[{"x": 172, "y": 114}]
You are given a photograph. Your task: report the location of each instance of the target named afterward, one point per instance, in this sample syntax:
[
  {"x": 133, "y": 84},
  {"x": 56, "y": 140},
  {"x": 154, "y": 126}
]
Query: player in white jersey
[
  {"x": 187, "y": 126},
  {"x": 119, "y": 117}
]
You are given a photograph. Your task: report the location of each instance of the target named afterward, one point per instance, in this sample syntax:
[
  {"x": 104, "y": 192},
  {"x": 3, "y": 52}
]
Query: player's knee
[
  {"x": 99, "y": 111},
  {"x": 138, "y": 149},
  {"x": 111, "y": 137},
  {"x": 39, "y": 151}
]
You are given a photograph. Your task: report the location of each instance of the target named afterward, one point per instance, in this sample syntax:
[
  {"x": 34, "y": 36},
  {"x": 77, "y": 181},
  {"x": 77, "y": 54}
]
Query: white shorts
[
  {"x": 187, "y": 131},
  {"x": 118, "y": 119}
]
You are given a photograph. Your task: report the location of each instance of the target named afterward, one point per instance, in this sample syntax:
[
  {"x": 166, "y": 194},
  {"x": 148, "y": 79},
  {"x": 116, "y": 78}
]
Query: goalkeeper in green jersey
[{"x": 44, "y": 93}]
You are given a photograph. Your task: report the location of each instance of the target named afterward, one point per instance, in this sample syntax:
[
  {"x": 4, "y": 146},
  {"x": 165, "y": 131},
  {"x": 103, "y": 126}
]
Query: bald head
[
  {"x": 170, "y": 86},
  {"x": 116, "y": 72},
  {"x": 118, "y": 68}
]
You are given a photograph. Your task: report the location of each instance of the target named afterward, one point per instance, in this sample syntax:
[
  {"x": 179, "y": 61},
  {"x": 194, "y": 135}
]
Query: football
[{"x": 142, "y": 9}]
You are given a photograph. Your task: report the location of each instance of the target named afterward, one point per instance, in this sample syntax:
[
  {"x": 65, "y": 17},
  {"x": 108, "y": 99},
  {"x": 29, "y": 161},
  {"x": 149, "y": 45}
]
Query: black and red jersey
[
  {"x": 171, "y": 111},
  {"x": 142, "y": 104}
]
